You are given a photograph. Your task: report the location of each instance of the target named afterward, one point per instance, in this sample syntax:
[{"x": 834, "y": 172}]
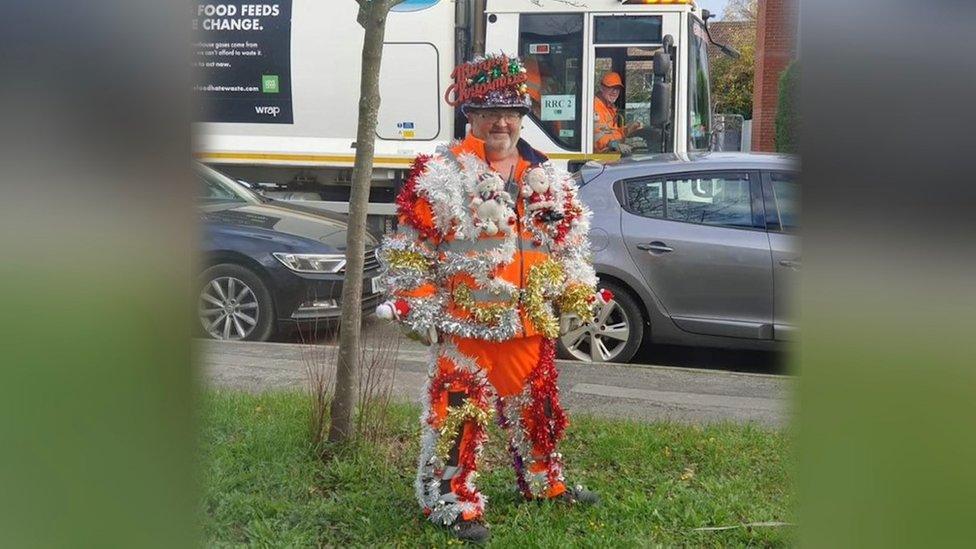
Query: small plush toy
[
  {"x": 540, "y": 196},
  {"x": 393, "y": 310},
  {"x": 493, "y": 206},
  {"x": 535, "y": 182}
]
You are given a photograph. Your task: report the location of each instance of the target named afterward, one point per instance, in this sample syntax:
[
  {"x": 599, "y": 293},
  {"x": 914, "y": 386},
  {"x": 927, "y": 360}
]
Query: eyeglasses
[{"x": 493, "y": 116}]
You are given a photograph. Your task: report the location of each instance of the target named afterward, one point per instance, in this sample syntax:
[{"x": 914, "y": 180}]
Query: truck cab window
[
  {"x": 699, "y": 102},
  {"x": 551, "y": 47},
  {"x": 624, "y": 60}
]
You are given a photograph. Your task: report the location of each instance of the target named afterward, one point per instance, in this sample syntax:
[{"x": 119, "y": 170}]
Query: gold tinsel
[
  {"x": 487, "y": 314},
  {"x": 577, "y": 299},
  {"x": 544, "y": 279},
  {"x": 407, "y": 260},
  {"x": 451, "y": 426}
]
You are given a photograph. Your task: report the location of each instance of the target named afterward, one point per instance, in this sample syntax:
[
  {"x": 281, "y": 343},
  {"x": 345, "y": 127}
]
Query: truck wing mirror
[
  {"x": 660, "y": 104},
  {"x": 660, "y": 114},
  {"x": 662, "y": 64}
]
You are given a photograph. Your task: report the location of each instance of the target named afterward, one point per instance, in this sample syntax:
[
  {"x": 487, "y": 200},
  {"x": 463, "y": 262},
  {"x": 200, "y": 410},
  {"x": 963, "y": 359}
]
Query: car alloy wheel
[
  {"x": 602, "y": 340},
  {"x": 228, "y": 308}
]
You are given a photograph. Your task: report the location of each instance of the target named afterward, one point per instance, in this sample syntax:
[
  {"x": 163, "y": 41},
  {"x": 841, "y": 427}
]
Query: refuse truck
[{"x": 277, "y": 85}]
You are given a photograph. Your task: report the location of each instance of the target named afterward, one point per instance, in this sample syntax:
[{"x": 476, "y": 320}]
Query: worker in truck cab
[
  {"x": 608, "y": 136},
  {"x": 490, "y": 250}
]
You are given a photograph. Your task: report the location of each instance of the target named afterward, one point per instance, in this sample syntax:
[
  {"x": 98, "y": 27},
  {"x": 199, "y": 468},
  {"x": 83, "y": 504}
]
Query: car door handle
[
  {"x": 790, "y": 264},
  {"x": 655, "y": 247}
]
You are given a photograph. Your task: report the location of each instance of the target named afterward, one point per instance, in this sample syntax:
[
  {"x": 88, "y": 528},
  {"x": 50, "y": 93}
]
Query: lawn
[{"x": 263, "y": 485}]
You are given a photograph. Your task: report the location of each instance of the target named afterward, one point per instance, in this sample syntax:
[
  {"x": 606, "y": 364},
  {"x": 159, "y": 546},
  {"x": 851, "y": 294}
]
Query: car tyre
[
  {"x": 233, "y": 303},
  {"x": 614, "y": 336}
]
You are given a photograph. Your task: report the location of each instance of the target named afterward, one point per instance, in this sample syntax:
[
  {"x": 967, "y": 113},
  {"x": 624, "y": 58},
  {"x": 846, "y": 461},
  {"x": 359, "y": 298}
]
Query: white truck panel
[{"x": 325, "y": 68}]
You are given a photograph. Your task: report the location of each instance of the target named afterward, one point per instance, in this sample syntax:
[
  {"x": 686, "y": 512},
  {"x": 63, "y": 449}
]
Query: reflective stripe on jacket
[{"x": 606, "y": 127}]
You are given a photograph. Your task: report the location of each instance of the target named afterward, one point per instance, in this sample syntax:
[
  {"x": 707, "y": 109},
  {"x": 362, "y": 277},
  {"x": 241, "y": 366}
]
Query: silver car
[{"x": 697, "y": 250}]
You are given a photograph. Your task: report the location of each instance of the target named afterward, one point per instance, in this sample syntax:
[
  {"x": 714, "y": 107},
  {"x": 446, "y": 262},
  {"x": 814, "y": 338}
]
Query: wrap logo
[{"x": 267, "y": 109}]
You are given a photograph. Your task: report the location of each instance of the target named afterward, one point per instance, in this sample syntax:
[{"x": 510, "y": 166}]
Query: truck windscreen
[
  {"x": 551, "y": 46},
  {"x": 699, "y": 102}
]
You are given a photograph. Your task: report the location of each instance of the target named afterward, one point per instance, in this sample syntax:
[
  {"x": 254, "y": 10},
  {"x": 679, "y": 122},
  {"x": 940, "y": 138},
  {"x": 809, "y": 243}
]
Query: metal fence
[{"x": 727, "y": 132}]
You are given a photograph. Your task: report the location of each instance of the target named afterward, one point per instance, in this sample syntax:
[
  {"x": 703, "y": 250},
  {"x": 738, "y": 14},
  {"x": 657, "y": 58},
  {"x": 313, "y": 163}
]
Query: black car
[{"x": 269, "y": 265}]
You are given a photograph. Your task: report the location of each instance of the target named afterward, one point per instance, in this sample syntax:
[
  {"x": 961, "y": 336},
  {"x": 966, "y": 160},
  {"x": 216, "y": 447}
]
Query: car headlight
[{"x": 312, "y": 263}]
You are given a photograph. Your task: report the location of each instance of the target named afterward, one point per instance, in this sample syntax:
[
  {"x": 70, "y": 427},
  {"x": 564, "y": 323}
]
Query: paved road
[
  {"x": 640, "y": 392},
  {"x": 757, "y": 362}
]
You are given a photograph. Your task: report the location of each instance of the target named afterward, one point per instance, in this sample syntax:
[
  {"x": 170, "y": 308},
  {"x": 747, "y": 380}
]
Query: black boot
[
  {"x": 473, "y": 531},
  {"x": 577, "y": 495}
]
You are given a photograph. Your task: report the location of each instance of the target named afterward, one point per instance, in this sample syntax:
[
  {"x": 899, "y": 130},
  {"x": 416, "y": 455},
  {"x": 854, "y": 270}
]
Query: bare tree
[
  {"x": 372, "y": 17},
  {"x": 741, "y": 10}
]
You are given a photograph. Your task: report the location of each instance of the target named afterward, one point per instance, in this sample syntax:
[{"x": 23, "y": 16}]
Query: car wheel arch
[{"x": 645, "y": 314}]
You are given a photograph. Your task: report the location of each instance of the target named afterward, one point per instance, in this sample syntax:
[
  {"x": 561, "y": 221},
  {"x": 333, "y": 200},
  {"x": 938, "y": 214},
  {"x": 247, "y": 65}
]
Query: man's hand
[
  {"x": 634, "y": 127},
  {"x": 423, "y": 338},
  {"x": 624, "y": 149}
]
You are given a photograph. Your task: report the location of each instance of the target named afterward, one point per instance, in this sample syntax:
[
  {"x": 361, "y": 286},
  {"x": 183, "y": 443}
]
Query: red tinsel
[
  {"x": 458, "y": 381},
  {"x": 468, "y": 461},
  {"x": 571, "y": 212},
  {"x": 478, "y": 391},
  {"x": 407, "y": 199},
  {"x": 546, "y": 428}
]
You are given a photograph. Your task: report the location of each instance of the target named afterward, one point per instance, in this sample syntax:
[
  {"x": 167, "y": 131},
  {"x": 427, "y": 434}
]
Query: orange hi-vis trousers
[{"x": 469, "y": 381}]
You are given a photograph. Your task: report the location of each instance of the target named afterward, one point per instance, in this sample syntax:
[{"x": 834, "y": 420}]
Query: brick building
[{"x": 775, "y": 48}]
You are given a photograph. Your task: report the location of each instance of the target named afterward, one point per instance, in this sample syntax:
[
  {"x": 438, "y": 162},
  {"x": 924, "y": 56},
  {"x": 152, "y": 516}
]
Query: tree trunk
[{"x": 373, "y": 18}]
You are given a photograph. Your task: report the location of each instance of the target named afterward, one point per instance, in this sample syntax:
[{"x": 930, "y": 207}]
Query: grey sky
[{"x": 714, "y": 6}]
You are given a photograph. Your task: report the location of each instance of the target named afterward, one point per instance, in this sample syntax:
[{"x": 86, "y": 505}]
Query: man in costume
[
  {"x": 608, "y": 136},
  {"x": 491, "y": 248}
]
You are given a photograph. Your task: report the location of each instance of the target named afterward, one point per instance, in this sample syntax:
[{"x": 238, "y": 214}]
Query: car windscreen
[{"x": 216, "y": 188}]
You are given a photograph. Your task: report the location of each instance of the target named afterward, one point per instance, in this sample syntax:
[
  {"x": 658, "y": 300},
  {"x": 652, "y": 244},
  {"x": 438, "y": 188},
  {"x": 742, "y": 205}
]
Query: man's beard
[{"x": 500, "y": 142}]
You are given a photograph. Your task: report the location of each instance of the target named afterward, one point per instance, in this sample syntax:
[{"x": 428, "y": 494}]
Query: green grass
[{"x": 264, "y": 486}]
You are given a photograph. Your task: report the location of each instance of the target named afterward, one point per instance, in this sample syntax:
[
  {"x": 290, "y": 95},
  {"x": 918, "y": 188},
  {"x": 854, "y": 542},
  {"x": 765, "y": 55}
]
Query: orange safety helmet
[{"x": 611, "y": 79}]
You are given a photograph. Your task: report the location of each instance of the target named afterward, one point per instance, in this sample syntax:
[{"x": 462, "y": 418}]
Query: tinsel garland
[
  {"x": 464, "y": 376},
  {"x": 544, "y": 280},
  {"x": 473, "y": 384},
  {"x": 548, "y": 418},
  {"x": 488, "y": 314},
  {"x": 407, "y": 260},
  {"x": 516, "y": 438},
  {"x": 449, "y": 244},
  {"x": 406, "y": 201},
  {"x": 535, "y": 422},
  {"x": 578, "y": 300},
  {"x": 450, "y": 427}
]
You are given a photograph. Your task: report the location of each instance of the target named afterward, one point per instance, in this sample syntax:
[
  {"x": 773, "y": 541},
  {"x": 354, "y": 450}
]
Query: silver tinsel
[
  {"x": 513, "y": 409},
  {"x": 444, "y": 508},
  {"x": 448, "y": 183}
]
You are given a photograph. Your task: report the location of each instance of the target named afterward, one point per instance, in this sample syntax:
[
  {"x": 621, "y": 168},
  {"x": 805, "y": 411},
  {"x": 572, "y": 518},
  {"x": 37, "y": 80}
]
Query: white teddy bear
[{"x": 493, "y": 206}]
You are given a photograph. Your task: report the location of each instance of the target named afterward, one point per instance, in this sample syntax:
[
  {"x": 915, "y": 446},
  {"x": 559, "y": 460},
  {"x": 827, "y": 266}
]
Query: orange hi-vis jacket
[
  {"x": 474, "y": 260},
  {"x": 606, "y": 127}
]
